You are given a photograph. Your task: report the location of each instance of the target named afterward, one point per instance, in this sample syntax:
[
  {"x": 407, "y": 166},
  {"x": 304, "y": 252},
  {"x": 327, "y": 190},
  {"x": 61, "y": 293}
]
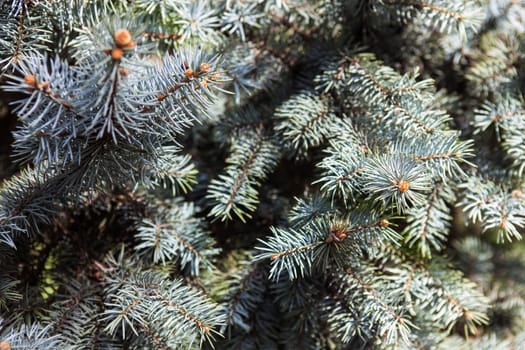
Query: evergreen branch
[
  {"x": 396, "y": 180},
  {"x": 292, "y": 251},
  {"x": 252, "y": 158},
  {"x": 252, "y": 69},
  {"x": 308, "y": 209},
  {"x": 174, "y": 312},
  {"x": 343, "y": 317},
  {"x": 20, "y": 35},
  {"x": 303, "y": 313},
  {"x": 445, "y": 16},
  {"x": 427, "y": 224},
  {"x": 507, "y": 116},
  {"x": 170, "y": 170},
  {"x": 26, "y": 204},
  {"x": 242, "y": 119},
  {"x": 295, "y": 250},
  {"x": 500, "y": 115},
  {"x": 394, "y": 97},
  {"x": 442, "y": 292},
  {"x": 239, "y": 15},
  {"x": 47, "y": 111},
  {"x": 305, "y": 120},
  {"x": 197, "y": 21},
  {"x": 463, "y": 300},
  {"x": 31, "y": 336},
  {"x": 497, "y": 208},
  {"x": 17, "y": 52},
  {"x": 74, "y": 316},
  {"x": 343, "y": 164},
  {"x": 494, "y": 69},
  {"x": 316, "y": 245},
  {"x": 432, "y": 7},
  {"x": 156, "y": 340},
  {"x": 174, "y": 234},
  {"x": 375, "y": 306},
  {"x": 8, "y": 290},
  {"x": 246, "y": 293}
]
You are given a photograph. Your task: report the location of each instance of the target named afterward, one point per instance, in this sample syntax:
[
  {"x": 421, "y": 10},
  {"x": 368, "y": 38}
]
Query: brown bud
[
  {"x": 5, "y": 345},
  {"x": 385, "y": 223},
  {"x": 215, "y": 76},
  {"x": 122, "y": 38},
  {"x": 30, "y": 79},
  {"x": 117, "y": 54},
  {"x": 123, "y": 72},
  {"x": 496, "y": 118},
  {"x": 204, "y": 67},
  {"x": 339, "y": 232},
  {"x": 120, "y": 197},
  {"x": 206, "y": 329},
  {"x": 517, "y": 194},
  {"x": 189, "y": 73},
  {"x": 204, "y": 83},
  {"x": 403, "y": 186},
  {"x": 44, "y": 86},
  {"x": 503, "y": 225}
]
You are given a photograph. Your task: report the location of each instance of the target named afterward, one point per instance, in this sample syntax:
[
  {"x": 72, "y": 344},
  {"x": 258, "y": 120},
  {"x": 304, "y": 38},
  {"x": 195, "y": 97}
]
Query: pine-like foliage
[{"x": 262, "y": 174}]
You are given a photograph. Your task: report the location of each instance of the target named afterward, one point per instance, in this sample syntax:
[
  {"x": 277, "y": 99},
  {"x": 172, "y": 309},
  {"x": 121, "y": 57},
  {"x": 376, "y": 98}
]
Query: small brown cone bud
[
  {"x": 204, "y": 67},
  {"x": 517, "y": 194},
  {"x": 44, "y": 86},
  {"x": 385, "y": 223},
  {"x": 98, "y": 276},
  {"x": 189, "y": 73},
  {"x": 117, "y": 54},
  {"x": 122, "y": 38},
  {"x": 339, "y": 232},
  {"x": 5, "y": 346},
  {"x": 403, "y": 186},
  {"x": 123, "y": 72},
  {"x": 29, "y": 80}
]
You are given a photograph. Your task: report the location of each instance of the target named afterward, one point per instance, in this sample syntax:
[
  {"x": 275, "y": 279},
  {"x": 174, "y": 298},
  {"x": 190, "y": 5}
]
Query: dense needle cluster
[{"x": 262, "y": 174}]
